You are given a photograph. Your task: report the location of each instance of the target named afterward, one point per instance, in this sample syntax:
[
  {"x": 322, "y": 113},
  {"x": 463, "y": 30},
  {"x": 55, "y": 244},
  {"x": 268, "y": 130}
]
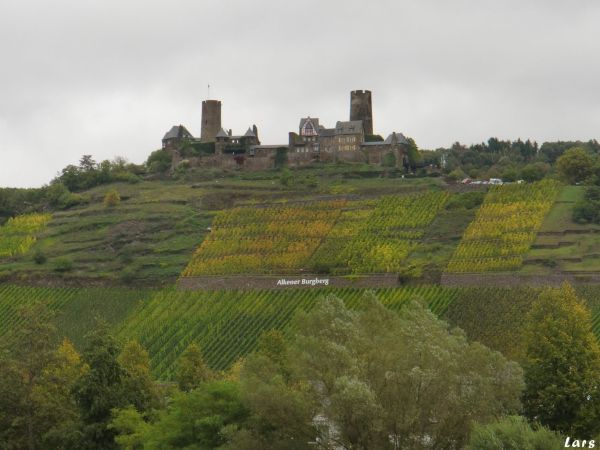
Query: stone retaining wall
[
  {"x": 511, "y": 280},
  {"x": 306, "y": 281}
]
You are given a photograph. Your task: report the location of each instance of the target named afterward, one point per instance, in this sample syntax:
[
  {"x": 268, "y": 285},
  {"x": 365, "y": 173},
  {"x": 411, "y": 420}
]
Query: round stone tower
[
  {"x": 361, "y": 109},
  {"x": 211, "y": 120}
]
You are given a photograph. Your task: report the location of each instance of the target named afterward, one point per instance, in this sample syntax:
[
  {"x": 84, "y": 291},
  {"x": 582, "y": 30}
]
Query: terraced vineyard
[
  {"x": 263, "y": 240},
  {"x": 391, "y": 232},
  {"x": 19, "y": 233},
  {"x": 504, "y": 228},
  {"x": 368, "y": 236},
  {"x": 227, "y": 324}
]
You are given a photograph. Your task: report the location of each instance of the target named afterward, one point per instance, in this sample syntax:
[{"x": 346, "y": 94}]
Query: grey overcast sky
[{"x": 108, "y": 77}]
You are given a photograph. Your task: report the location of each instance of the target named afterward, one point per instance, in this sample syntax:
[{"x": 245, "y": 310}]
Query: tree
[
  {"x": 12, "y": 407},
  {"x": 200, "y": 419},
  {"x": 562, "y": 372},
  {"x": 192, "y": 371},
  {"x": 130, "y": 428},
  {"x": 412, "y": 153},
  {"x": 575, "y": 165},
  {"x": 55, "y": 404},
  {"x": 32, "y": 352},
  {"x": 513, "y": 433},
  {"x": 100, "y": 390},
  {"x": 140, "y": 387},
  {"x": 376, "y": 379},
  {"x": 159, "y": 161},
  {"x": 534, "y": 172},
  {"x": 37, "y": 409}
]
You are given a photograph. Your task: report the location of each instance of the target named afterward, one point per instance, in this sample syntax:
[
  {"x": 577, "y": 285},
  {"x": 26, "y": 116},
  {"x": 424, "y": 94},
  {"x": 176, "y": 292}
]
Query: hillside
[
  {"x": 221, "y": 238},
  {"x": 152, "y": 234}
]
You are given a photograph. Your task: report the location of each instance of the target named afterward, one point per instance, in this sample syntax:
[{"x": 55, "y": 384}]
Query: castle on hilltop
[{"x": 349, "y": 141}]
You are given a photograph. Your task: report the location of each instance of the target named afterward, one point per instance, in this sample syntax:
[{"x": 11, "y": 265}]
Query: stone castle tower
[
  {"x": 211, "y": 120},
  {"x": 361, "y": 109}
]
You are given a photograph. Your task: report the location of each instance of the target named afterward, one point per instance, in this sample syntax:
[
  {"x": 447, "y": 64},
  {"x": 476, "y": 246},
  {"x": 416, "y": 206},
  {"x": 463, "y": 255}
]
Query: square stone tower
[
  {"x": 361, "y": 109},
  {"x": 211, "y": 120}
]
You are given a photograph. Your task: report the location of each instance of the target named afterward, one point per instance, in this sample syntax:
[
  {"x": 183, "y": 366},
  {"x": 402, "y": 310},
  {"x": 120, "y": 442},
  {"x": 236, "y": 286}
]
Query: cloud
[{"x": 109, "y": 78}]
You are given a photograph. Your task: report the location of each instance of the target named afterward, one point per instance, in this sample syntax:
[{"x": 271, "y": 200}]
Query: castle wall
[
  {"x": 375, "y": 154},
  {"x": 298, "y": 159}
]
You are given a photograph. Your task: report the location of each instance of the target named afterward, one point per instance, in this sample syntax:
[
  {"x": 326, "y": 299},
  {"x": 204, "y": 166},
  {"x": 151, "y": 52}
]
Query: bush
[
  {"x": 534, "y": 172},
  {"x": 587, "y": 210},
  {"x": 159, "y": 161},
  {"x": 456, "y": 175},
  {"x": 112, "y": 198},
  {"x": 39, "y": 257},
  {"x": 59, "y": 196},
  {"x": 584, "y": 212},
  {"x": 281, "y": 157},
  {"x": 389, "y": 160},
  {"x": 128, "y": 274},
  {"x": 286, "y": 177},
  {"x": 63, "y": 264},
  {"x": 575, "y": 165},
  {"x": 468, "y": 200}
]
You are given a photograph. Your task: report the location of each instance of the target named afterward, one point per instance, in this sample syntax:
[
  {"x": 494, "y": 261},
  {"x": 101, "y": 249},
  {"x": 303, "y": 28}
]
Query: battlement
[{"x": 361, "y": 92}]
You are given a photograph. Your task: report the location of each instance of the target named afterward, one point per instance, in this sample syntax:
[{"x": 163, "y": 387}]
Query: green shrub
[
  {"x": 587, "y": 210},
  {"x": 128, "y": 274},
  {"x": 159, "y": 161},
  {"x": 389, "y": 160},
  {"x": 63, "y": 264},
  {"x": 456, "y": 175},
  {"x": 112, "y": 198},
  {"x": 39, "y": 257},
  {"x": 467, "y": 200},
  {"x": 286, "y": 177}
]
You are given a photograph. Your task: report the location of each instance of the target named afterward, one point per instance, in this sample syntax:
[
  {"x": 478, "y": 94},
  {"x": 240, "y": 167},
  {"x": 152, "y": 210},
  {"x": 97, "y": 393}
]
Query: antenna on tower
[{"x": 208, "y": 94}]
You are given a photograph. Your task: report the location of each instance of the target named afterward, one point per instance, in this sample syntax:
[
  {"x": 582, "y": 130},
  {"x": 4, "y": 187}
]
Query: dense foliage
[
  {"x": 355, "y": 373},
  {"x": 563, "y": 364},
  {"x": 89, "y": 173},
  {"x": 509, "y": 160}
]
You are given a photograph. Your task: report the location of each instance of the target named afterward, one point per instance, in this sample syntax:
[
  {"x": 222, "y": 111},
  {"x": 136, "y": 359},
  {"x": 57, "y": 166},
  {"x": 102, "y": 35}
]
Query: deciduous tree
[
  {"x": 192, "y": 371},
  {"x": 563, "y": 365}
]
